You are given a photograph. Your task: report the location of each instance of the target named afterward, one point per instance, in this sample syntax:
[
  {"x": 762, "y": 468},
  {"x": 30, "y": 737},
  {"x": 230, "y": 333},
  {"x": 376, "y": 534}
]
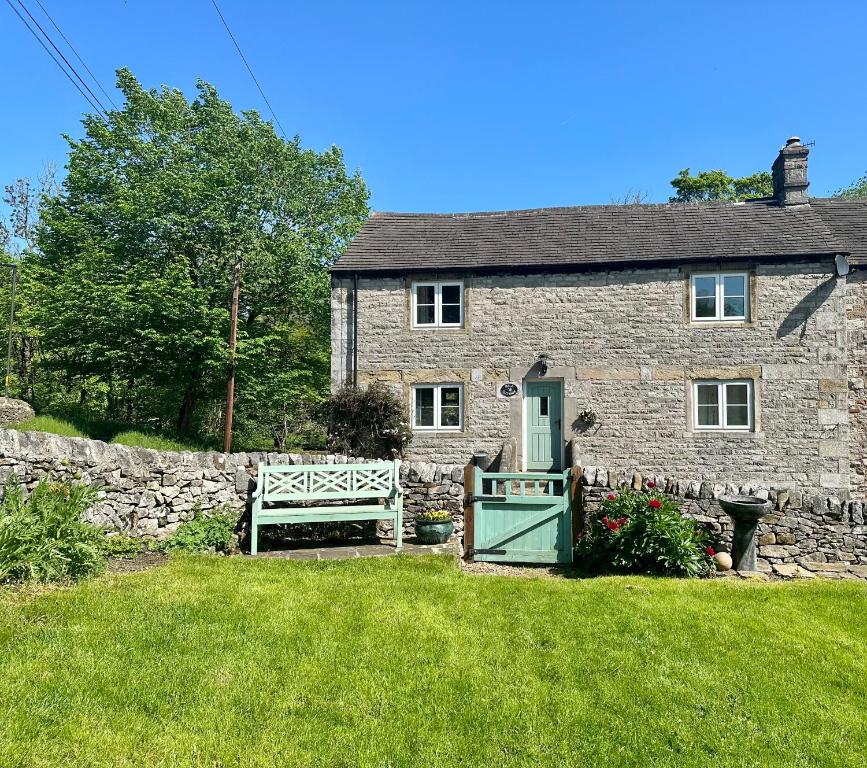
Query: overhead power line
[
  {"x": 249, "y": 68},
  {"x": 60, "y": 53},
  {"x": 98, "y": 109},
  {"x": 77, "y": 55}
]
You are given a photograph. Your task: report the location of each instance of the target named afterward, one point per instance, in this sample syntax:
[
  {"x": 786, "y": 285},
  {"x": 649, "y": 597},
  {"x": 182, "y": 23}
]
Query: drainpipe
[{"x": 355, "y": 331}]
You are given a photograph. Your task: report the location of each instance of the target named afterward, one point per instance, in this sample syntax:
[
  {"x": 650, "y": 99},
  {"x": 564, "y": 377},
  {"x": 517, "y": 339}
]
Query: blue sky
[{"x": 456, "y": 106}]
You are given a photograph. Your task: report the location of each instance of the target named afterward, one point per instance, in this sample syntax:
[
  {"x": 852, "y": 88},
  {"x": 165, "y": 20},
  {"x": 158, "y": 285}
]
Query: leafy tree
[
  {"x": 133, "y": 273},
  {"x": 718, "y": 185},
  {"x": 857, "y": 188}
]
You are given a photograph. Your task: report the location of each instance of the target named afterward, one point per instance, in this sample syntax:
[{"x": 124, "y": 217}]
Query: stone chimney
[{"x": 790, "y": 174}]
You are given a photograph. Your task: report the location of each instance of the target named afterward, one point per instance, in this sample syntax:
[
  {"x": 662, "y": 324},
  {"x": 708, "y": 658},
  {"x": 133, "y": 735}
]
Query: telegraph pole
[
  {"x": 14, "y": 267},
  {"x": 233, "y": 343}
]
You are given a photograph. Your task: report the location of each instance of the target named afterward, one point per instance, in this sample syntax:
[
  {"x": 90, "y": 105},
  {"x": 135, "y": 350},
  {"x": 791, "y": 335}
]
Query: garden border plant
[{"x": 644, "y": 532}]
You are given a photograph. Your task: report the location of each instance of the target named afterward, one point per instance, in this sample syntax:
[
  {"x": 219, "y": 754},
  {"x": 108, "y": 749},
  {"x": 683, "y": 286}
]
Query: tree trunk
[{"x": 185, "y": 415}]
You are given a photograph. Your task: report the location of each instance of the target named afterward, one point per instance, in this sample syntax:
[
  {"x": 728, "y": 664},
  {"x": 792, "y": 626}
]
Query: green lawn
[{"x": 408, "y": 662}]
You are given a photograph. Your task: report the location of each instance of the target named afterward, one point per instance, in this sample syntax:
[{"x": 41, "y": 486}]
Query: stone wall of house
[
  {"x": 622, "y": 342},
  {"x": 150, "y": 493},
  {"x": 856, "y": 340},
  {"x": 800, "y": 529}
]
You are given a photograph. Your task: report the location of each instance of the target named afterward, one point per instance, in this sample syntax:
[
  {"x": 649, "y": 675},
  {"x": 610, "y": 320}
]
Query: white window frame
[
  {"x": 438, "y": 303},
  {"x": 718, "y": 293},
  {"x": 722, "y": 411},
  {"x": 437, "y": 405}
]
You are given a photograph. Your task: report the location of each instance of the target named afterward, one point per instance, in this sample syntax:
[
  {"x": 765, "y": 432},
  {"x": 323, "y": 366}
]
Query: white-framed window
[
  {"x": 438, "y": 407},
  {"x": 438, "y": 305},
  {"x": 719, "y": 296},
  {"x": 723, "y": 405}
]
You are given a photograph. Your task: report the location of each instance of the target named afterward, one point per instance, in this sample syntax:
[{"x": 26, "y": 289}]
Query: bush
[
  {"x": 644, "y": 533},
  {"x": 203, "y": 534},
  {"x": 43, "y": 538},
  {"x": 121, "y": 546},
  {"x": 367, "y": 422}
]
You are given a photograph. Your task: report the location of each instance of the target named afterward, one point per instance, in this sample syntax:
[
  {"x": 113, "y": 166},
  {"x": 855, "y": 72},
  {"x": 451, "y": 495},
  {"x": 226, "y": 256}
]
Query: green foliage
[
  {"x": 644, "y": 533},
  {"x": 857, "y": 188},
  {"x": 127, "y": 289},
  {"x": 157, "y": 442},
  {"x": 42, "y": 536},
  {"x": 718, "y": 185},
  {"x": 367, "y": 422},
  {"x": 433, "y": 516},
  {"x": 204, "y": 533},
  {"x": 121, "y": 546},
  {"x": 48, "y": 424}
]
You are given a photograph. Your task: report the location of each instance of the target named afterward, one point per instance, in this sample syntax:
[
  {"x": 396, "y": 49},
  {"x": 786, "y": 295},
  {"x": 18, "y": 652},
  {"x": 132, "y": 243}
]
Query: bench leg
[{"x": 254, "y": 538}]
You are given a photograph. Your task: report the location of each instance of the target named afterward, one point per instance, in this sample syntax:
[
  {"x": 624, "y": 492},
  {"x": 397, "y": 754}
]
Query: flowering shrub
[
  {"x": 434, "y": 516},
  {"x": 644, "y": 533}
]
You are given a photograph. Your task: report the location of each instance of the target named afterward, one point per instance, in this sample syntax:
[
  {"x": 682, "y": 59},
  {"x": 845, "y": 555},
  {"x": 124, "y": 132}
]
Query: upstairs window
[
  {"x": 723, "y": 405},
  {"x": 437, "y": 407},
  {"x": 720, "y": 296},
  {"x": 437, "y": 305}
]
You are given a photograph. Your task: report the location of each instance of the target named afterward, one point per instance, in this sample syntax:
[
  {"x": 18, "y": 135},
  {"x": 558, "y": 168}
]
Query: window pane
[
  {"x": 450, "y": 407},
  {"x": 450, "y": 416},
  {"x": 737, "y": 405},
  {"x": 733, "y": 307},
  {"x": 425, "y": 311},
  {"x": 425, "y": 294},
  {"x": 451, "y": 314},
  {"x": 705, "y": 286},
  {"x": 424, "y": 314},
  {"x": 705, "y": 307},
  {"x": 737, "y": 416},
  {"x": 733, "y": 285},
  {"x": 707, "y": 396},
  {"x": 451, "y": 294},
  {"x": 737, "y": 394},
  {"x": 543, "y": 406},
  {"x": 424, "y": 407}
]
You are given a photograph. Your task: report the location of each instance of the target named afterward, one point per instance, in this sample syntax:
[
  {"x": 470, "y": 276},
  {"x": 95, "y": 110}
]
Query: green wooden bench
[{"x": 283, "y": 493}]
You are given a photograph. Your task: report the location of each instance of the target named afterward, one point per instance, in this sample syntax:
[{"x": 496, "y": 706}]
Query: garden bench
[{"x": 284, "y": 492}]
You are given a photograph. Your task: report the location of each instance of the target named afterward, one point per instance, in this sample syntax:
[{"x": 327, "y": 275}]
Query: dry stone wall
[
  {"x": 800, "y": 529},
  {"x": 150, "y": 493}
]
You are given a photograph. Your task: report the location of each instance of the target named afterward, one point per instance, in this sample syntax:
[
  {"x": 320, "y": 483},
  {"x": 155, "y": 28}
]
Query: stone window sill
[{"x": 716, "y": 434}]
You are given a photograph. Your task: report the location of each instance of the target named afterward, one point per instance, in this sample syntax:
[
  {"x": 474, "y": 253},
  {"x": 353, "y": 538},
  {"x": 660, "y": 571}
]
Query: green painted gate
[{"x": 521, "y": 517}]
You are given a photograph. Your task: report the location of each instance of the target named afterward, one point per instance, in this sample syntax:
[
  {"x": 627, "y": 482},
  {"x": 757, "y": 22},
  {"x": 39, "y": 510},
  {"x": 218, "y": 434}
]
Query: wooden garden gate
[{"x": 520, "y": 517}]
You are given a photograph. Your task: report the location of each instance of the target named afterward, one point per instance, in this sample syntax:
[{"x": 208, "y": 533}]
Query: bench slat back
[{"x": 328, "y": 481}]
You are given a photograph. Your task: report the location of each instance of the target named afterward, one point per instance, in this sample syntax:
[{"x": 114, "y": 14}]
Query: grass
[
  {"x": 409, "y": 662},
  {"x": 49, "y": 424},
  {"x": 111, "y": 432}
]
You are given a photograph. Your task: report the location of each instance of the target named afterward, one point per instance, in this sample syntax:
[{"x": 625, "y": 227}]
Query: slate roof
[
  {"x": 847, "y": 219},
  {"x": 607, "y": 236}
]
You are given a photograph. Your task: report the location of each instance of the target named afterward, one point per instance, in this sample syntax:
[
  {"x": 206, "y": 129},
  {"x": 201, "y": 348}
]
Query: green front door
[{"x": 544, "y": 414}]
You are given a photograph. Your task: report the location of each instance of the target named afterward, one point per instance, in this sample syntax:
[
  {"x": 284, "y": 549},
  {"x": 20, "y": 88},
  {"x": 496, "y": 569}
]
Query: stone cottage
[{"x": 720, "y": 341}]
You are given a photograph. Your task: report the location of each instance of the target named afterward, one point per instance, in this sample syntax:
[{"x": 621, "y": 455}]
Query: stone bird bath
[{"x": 746, "y": 511}]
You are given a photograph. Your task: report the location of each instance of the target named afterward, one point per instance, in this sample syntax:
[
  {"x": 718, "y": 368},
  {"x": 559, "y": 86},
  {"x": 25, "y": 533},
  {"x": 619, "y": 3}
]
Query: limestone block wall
[
  {"x": 150, "y": 493},
  {"x": 624, "y": 346},
  {"x": 817, "y": 529}
]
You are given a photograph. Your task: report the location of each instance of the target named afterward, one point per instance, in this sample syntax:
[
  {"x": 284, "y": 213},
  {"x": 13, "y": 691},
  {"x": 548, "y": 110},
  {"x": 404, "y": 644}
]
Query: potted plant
[{"x": 434, "y": 526}]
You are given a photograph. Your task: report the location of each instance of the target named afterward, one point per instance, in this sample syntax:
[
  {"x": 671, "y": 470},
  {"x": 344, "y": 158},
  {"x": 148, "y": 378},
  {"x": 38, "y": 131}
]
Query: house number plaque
[{"x": 509, "y": 390}]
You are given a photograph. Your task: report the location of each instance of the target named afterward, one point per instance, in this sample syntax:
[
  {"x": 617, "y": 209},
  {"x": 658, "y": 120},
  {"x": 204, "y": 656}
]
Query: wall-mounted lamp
[
  {"x": 544, "y": 362},
  {"x": 841, "y": 262}
]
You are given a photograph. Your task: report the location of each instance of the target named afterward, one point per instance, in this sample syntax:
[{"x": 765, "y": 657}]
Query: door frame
[{"x": 525, "y": 453}]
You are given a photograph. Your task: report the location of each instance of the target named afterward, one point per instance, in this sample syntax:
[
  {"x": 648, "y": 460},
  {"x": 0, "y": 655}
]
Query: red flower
[
  {"x": 605, "y": 520},
  {"x": 611, "y": 497},
  {"x": 710, "y": 551},
  {"x": 655, "y": 503},
  {"x": 613, "y": 526},
  {"x": 621, "y": 521},
  {"x": 651, "y": 484}
]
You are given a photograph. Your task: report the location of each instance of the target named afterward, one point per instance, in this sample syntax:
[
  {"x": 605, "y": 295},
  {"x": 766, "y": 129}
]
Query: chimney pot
[{"x": 789, "y": 173}]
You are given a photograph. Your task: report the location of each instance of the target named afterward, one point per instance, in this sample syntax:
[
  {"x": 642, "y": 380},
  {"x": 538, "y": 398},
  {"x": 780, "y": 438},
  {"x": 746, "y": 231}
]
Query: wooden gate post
[{"x": 469, "y": 492}]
